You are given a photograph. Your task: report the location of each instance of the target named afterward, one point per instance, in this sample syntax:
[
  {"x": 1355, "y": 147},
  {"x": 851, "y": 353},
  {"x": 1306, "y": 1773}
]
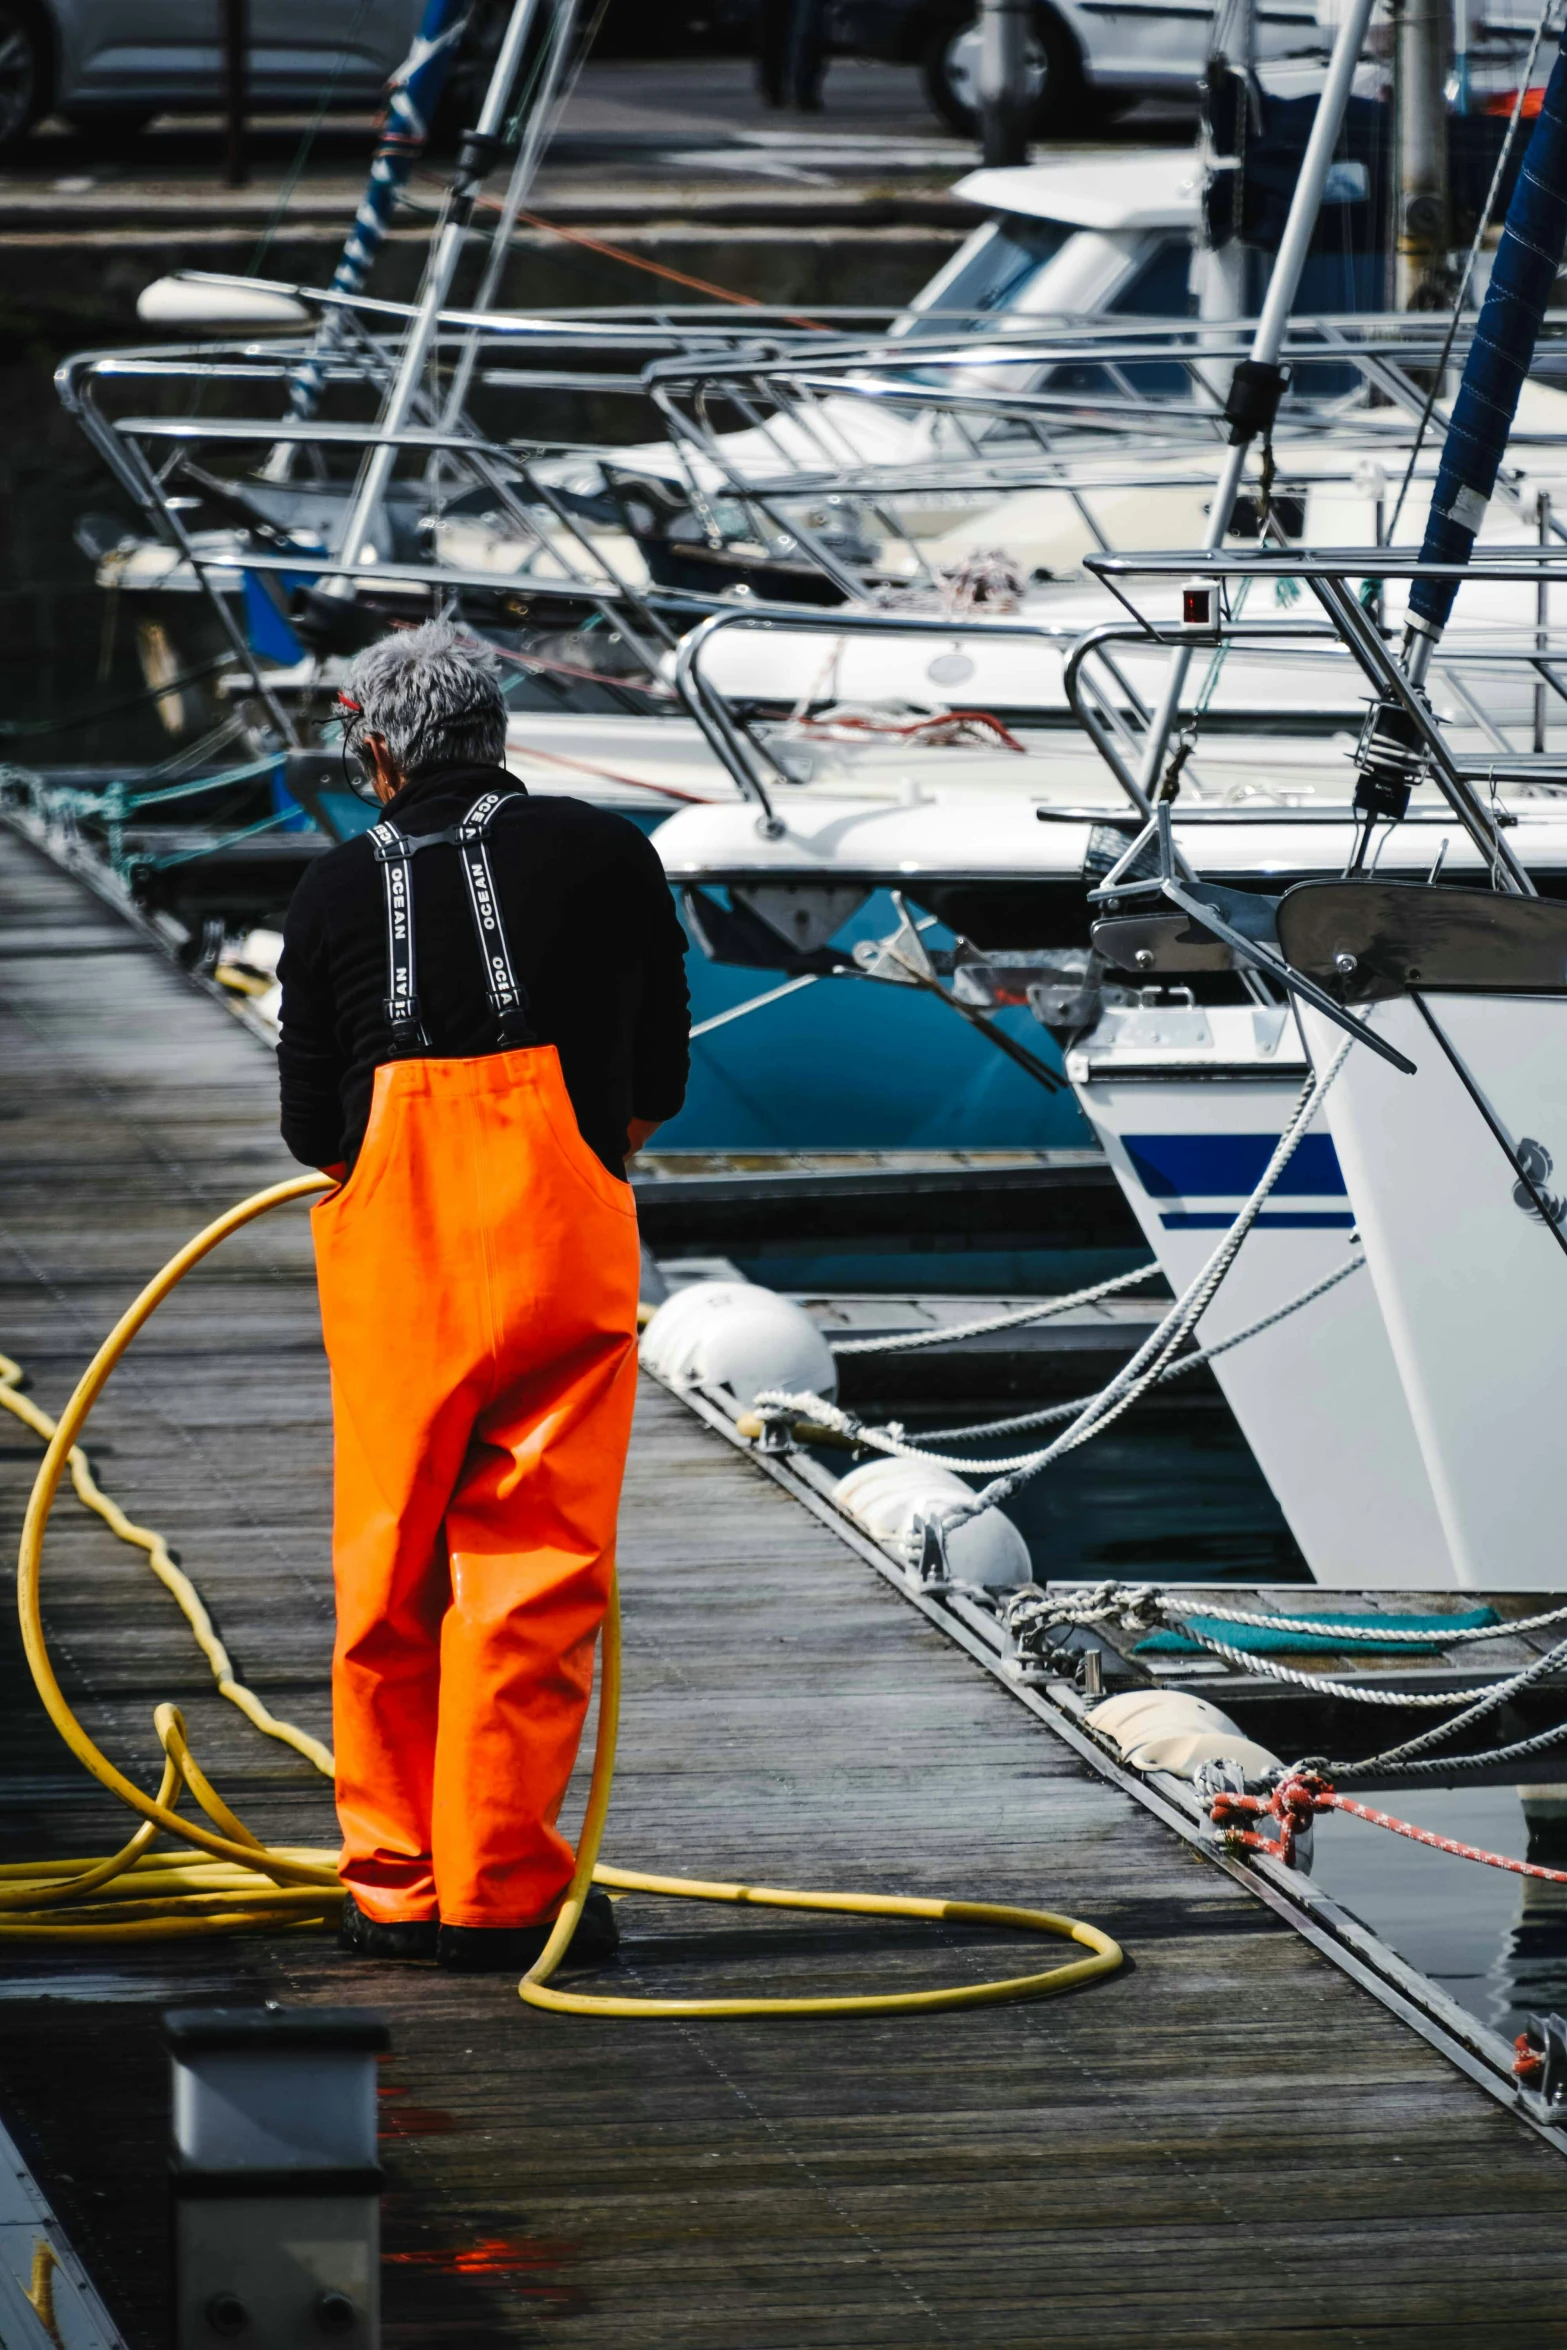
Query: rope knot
[
  {"x": 1294, "y": 1802},
  {"x": 1300, "y": 1795}
]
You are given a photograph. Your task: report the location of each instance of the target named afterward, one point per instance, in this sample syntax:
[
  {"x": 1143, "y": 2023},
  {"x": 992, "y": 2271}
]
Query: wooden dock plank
[{"x": 1226, "y": 2144}]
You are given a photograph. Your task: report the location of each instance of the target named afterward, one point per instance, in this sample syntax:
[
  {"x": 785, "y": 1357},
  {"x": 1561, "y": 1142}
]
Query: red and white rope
[{"x": 1302, "y": 1796}]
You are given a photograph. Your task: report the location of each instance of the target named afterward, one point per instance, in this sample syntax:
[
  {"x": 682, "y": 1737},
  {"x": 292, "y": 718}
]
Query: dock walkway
[{"x": 1226, "y": 2144}]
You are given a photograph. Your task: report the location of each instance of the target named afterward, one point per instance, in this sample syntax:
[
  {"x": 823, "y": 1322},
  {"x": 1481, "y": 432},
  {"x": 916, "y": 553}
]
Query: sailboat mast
[
  {"x": 411, "y": 99},
  {"x": 1423, "y": 46},
  {"x": 1258, "y": 382},
  {"x": 478, "y": 148},
  {"x": 1534, "y": 238},
  {"x": 536, "y": 130},
  {"x": 1223, "y": 263}
]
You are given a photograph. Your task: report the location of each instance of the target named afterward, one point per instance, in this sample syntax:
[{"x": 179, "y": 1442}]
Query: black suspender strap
[
  {"x": 507, "y": 1000},
  {"x": 394, "y": 855},
  {"x": 394, "y": 852}
]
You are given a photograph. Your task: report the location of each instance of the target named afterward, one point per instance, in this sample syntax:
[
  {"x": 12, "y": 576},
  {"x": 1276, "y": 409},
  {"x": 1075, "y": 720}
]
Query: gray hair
[{"x": 434, "y": 695}]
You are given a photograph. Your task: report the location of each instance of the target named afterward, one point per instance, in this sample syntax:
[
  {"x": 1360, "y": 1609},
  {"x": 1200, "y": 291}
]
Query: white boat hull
[
  {"x": 1471, "y": 1284},
  {"x": 1189, "y": 1105}
]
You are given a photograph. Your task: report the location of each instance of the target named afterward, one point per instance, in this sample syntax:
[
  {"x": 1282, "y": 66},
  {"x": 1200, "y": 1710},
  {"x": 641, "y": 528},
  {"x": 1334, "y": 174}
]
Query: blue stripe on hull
[
  {"x": 1228, "y": 1166},
  {"x": 1294, "y": 1220}
]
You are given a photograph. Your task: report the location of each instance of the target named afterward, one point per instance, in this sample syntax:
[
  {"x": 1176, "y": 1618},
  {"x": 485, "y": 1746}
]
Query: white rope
[
  {"x": 1176, "y": 1370},
  {"x": 819, "y": 1413},
  {"x": 1377, "y": 1765},
  {"x": 889, "y": 1438},
  {"x": 1484, "y": 1701},
  {"x": 1143, "y": 1371},
  {"x": 1145, "y": 1366},
  {"x": 1133, "y": 1605},
  {"x": 904, "y": 1341},
  {"x": 1098, "y": 1605},
  {"x": 1032, "y": 1616}
]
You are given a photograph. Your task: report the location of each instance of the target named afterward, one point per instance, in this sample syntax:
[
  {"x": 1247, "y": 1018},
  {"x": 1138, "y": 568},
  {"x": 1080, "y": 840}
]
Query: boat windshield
[
  {"x": 997, "y": 273},
  {"x": 1158, "y": 288}
]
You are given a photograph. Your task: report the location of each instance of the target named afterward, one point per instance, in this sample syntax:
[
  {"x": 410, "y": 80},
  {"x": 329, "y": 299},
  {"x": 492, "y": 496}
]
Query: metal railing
[{"x": 793, "y": 393}]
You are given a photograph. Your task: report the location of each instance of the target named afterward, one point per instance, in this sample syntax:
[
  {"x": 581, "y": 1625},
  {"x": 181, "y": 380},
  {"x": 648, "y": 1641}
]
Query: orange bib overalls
[{"x": 478, "y": 1275}]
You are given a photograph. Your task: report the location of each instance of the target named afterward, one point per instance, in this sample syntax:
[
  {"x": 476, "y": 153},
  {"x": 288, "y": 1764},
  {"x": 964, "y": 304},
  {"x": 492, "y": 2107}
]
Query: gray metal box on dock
[{"x": 275, "y": 2185}]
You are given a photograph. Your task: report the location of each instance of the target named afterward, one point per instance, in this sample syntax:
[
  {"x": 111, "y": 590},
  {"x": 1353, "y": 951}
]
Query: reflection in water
[
  {"x": 1170, "y": 1494},
  {"x": 1497, "y": 1943},
  {"x": 1530, "y": 1972}
]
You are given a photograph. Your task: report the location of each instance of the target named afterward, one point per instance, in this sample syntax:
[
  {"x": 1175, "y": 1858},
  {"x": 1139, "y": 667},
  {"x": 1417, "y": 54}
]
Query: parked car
[
  {"x": 109, "y": 66},
  {"x": 1088, "y": 60}
]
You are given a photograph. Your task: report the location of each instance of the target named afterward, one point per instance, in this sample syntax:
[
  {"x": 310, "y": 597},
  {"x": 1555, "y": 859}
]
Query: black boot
[
  {"x": 366, "y": 1939},
  {"x": 511, "y": 1950}
]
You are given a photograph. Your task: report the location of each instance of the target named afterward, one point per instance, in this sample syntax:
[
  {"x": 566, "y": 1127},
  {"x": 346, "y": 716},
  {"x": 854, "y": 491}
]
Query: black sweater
[{"x": 594, "y": 937}]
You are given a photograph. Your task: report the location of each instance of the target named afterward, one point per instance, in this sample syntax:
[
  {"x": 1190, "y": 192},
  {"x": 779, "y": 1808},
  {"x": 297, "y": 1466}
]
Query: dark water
[
  {"x": 1497, "y": 1943},
  {"x": 1171, "y": 1493}
]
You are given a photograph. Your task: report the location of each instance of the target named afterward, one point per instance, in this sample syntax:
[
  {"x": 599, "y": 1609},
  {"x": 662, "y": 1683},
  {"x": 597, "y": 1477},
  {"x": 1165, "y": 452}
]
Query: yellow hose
[
  {"x": 92, "y": 1496},
  {"x": 230, "y": 1882}
]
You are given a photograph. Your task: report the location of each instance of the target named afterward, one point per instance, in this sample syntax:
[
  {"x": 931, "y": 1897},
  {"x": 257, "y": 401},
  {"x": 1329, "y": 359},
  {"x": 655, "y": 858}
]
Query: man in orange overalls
[{"x": 484, "y": 1007}]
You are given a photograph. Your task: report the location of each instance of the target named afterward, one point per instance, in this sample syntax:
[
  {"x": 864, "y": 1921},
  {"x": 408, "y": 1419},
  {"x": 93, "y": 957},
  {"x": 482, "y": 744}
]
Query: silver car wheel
[{"x": 962, "y": 66}]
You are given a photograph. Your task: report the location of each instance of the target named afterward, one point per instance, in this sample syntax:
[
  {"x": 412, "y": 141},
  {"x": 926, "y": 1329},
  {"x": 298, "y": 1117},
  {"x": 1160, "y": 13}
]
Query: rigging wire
[
  {"x": 11, "y": 728},
  {"x": 1142, "y": 1372},
  {"x": 312, "y": 132}
]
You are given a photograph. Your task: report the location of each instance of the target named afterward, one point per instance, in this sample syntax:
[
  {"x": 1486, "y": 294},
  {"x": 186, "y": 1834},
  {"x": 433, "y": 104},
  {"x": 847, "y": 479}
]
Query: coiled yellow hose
[{"x": 227, "y": 1881}]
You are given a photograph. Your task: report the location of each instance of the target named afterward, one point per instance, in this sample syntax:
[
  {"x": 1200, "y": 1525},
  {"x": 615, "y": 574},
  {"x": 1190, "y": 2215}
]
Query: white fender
[
  {"x": 179, "y": 301},
  {"x": 1170, "y": 1730},
  {"x": 732, "y": 1335},
  {"x": 886, "y": 1498}
]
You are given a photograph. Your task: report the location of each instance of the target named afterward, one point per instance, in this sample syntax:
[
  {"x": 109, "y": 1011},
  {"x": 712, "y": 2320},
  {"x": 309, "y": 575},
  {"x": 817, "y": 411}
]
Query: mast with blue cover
[
  {"x": 413, "y": 94},
  {"x": 1528, "y": 258}
]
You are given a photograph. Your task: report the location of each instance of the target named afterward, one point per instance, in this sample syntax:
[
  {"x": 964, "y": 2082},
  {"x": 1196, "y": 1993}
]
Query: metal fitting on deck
[
  {"x": 929, "y": 1546},
  {"x": 1540, "y": 2058},
  {"x": 276, "y": 2233}
]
